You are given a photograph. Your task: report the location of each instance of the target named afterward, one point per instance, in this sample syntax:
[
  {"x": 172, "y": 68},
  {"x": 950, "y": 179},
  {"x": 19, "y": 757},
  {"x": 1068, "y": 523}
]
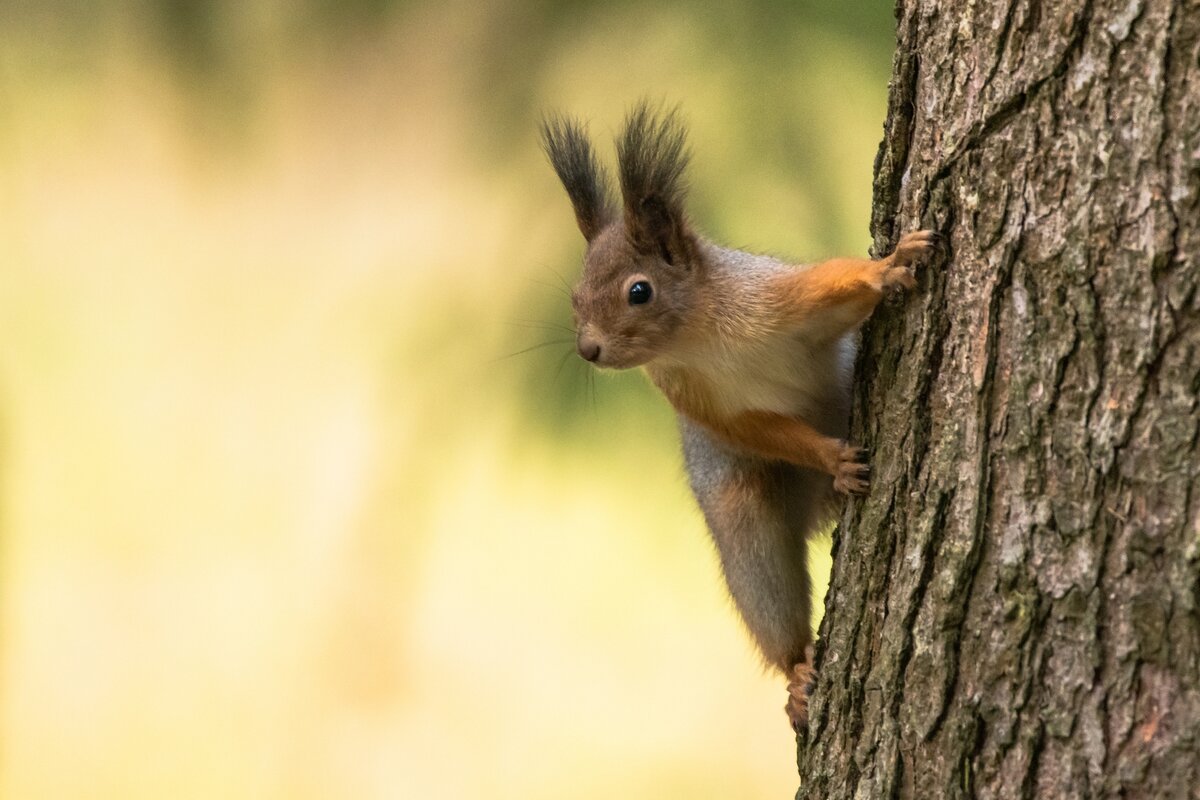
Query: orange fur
[
  {"x": 779, "y": 437},
  {"x": 764, "y": 433},
  {"x": 849, "y": 285}
]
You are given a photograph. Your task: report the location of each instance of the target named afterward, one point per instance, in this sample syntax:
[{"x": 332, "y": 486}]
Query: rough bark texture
[{"x": 1013, "y": 611}]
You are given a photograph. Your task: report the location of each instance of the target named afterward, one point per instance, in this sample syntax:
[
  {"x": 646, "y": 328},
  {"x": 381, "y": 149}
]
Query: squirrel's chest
[{"x": 783, "y": 374}]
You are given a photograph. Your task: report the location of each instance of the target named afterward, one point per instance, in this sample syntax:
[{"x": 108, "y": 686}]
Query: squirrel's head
[{"x": 642, "y": 269}]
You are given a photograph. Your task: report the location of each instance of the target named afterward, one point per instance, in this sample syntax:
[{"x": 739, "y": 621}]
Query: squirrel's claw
[
  {"x": 803, "y": 679},
  {"x": 916, "y": 246},
  {"x": 853, "y": 474},
  {"x": 913, "y": 247}
]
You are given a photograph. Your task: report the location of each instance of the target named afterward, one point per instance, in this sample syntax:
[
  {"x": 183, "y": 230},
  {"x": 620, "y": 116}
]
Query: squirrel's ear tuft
[
  {"x": 652, "y": 154},
  {"x": 571, "y": 155}
]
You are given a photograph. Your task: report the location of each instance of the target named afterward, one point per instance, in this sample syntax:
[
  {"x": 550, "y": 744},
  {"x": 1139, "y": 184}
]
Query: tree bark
[{"x": 1013, "y": 611}]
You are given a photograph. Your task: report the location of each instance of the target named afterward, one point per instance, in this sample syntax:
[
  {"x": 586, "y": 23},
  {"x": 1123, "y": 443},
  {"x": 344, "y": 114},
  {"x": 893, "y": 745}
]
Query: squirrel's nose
[{"x": 589, "y": 349}]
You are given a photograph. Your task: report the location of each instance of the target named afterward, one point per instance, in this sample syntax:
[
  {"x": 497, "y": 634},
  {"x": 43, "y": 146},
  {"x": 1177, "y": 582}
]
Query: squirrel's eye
[{"x": 640, "y": 293}]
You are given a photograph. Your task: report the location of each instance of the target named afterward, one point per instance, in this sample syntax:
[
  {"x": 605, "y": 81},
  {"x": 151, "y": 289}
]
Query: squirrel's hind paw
[{"x": 799, "y": 688}]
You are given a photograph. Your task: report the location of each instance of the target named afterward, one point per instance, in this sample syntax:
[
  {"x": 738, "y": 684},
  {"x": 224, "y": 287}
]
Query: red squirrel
[{"x": 755, "y": 355}]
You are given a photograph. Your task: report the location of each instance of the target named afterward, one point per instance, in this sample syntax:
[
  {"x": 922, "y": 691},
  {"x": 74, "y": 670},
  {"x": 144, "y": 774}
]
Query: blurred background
[{"x": 302, "y": 494}]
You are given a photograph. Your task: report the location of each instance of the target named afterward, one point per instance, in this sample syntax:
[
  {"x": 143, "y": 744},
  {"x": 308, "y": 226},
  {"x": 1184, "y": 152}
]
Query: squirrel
[{"x": 755, "y": 355}]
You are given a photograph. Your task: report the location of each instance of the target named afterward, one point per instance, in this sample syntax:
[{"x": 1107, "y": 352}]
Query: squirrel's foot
[
  {"x": 852, "y": 474},
  {"x": 913, "y": 247},
  {"x": 800, "y": 686}
]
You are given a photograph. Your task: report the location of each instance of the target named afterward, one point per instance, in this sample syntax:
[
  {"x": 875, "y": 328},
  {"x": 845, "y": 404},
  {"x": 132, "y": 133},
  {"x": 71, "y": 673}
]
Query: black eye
[{"x": 640, "y": 293}]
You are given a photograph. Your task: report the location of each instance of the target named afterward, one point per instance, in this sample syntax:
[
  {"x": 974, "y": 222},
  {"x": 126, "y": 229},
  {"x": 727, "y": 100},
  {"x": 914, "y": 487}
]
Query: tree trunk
[{"x": 1013, "y": 611}]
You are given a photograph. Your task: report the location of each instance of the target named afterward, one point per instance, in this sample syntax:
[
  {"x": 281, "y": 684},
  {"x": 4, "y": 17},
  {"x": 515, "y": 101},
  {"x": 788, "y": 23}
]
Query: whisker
[
  {"x": 592, "y": 385},
  {"x": 562, "y": 362},
  {"x": 539, "y": 325},
  {"x": 566, "y": 286},
  {"x": 564, "y": 289},
  {"x": 537, "y": 346}
]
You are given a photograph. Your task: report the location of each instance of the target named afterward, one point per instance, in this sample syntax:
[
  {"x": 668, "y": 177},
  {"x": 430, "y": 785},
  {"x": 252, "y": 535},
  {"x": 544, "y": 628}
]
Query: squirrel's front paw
[
  {"x": 852, "y": 474},
  {"x": 913, "y": 247}
]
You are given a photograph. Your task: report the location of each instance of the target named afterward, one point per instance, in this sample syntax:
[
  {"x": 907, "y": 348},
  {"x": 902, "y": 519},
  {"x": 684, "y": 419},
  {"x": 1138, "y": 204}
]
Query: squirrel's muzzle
[{"x": 589, "y": 348}]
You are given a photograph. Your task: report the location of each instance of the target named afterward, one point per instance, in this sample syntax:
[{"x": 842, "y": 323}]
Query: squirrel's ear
[
  {"x": 571, "y": 154},
  {"x": 652, "y": 154}
]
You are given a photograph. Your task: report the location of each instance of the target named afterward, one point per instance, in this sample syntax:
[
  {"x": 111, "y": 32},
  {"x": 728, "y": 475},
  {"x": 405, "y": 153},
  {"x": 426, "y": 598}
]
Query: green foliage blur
[{"x": 304, "y": 493}]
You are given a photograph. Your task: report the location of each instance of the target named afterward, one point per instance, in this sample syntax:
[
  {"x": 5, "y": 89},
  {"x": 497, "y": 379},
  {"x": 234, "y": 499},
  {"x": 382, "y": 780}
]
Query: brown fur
[{"x": 755, "y": 356}]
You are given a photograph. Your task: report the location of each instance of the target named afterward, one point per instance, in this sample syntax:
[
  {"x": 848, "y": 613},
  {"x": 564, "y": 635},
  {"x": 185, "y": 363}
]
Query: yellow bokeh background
[{"x": 302, "y": 494}]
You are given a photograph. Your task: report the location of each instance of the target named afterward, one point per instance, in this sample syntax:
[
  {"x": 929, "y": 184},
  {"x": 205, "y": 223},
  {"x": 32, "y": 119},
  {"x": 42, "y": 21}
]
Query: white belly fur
[{"x": 783, "y": 374}]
